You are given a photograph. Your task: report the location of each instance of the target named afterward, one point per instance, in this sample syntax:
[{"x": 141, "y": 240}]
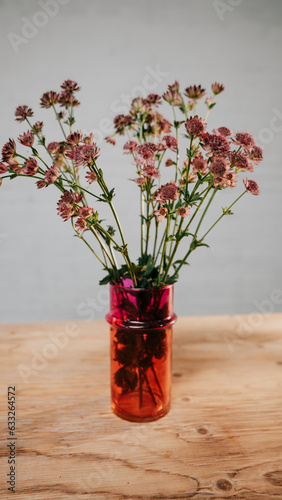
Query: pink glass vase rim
[{"x": 136, "y": 289}]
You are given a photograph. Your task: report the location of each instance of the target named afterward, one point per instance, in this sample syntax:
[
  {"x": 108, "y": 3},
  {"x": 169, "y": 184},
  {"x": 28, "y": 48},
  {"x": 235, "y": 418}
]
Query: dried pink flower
[
  {"x": 53, "y": 147},
  {"x": 161, "y": 213},
  {"x": 215, "y": 144},
  {"x": 199, "y": 164},
  {"x": 37, "y": 127},
  {"x": 145, "y": 153},
  {"x": 238, "y": 159},
  {"x": 81, "y": 224},
  {"x": 195, "y": 92},
  {"x": 170, "y": 142},
  {"x": 26, "y": 139},
  {"x": 166, "y": 192},
  {"x": 251, "y": 186},
  {"x": 91, "y": 177},
  {"x": 172, "y": 97},
  {"x": 140, "y": 181},
  {"x": 218, "y": 167},
  {"x": 9, "y": 150},
  {"x": 88, "y": 139},
  {"x": 130, "y": 146},
  {"x": 225, "y": 131},
  {"x": 40, "y": 184},
  {"x": 256, "y": 154},
  {"x": 111, "y": 139},
  {"x": 67, "y": 99},
  {"x": 174, "y": 87},
  {"x": 48, "y": 99},
  {"x": 74, "y": 138},
  {"x": 15, "y": 165},
  {"x": 217, "y": 88},
  {"x": 22, "y": 112},
  {"x": 153, "y": 100},
  {"x": 245, "y": 140},
  {"x": 30, "y": 167},
  {"x": 85, "y": 212},
  {"x": 121, "y": 122},
  {"x": 66, "y": 204},
  {"x": 138, "y": 105},
  {"x": 70, "y": 86},
  {"x": 195, "y": 126},
  {"x": 230, "y": 178},
  {"x": 183, "y": 211},
  {"x": 150, "y": 171},
  {"x": 169, "y": 162},
  {"x": 209, "y": 101},
  {"x": 52, "y": 174},
  {"x": 3, "y": 168}
]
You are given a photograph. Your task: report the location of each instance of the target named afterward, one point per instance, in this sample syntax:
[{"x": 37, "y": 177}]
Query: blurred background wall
[{"x": 117, "y": 50}]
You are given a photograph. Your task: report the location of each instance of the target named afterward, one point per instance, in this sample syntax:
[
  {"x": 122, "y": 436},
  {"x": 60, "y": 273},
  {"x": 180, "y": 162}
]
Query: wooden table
[{"x": 221, "y": 439}]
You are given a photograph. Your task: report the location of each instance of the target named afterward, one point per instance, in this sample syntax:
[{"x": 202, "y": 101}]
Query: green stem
[{"x": 224, "y": 213}]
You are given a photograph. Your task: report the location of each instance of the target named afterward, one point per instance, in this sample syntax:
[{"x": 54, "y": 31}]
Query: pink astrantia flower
[
  {"x": 23, "y": 112},
  {"x": 153, "y": 100},
  {"x": 8, "y": 150},
  {"x": 52, "y": 174},
  {"x": 66, "y": 204},
  {"x": 230, "y": 178},
  {"x": 48, "y": 99},
  {"x": 150, "y": 171},
  {"x": 130, "y": 146},
  {"x": 244, "y": 139},
  {"x": 140, "y": 181},
  {"x": 30, "y": 167},
  {"x": 26, "y": 139},
  {"x": 251, "y": 186},
  {"x": 74, "y": 139},
  {"x": 37, "y": 127},
  {"x": 70, "y": 86},
  {"x": 91, "y": 177},
  {"x": 183, "y": 211},
  {"x": 195, "y": 126},
  {"x": 256, "y": 154},
  {"x": 121, "y": 122},
  {"x": 40, "y": 184},
  {"x": 218, "y": 167},
  {"x": 85, "y": 212},
  {"x": 195, "y": 92},
  {"x": 111, "y": 139},
  {"x": 170, "y": 142},
  {"x": 215, "y": 144},
  {"x": 217, "y": 88},
  {"x": 225, "y": 131},
  {"x": 199, "y": 164},
  {"x": 67, "y": 99},
  {"x": 169, "y": 162},
  {"x": 145, "y": 154},
  {"x": 89, "y": 153},
  {"x": 81, "y": 224},
  {"x": 172, "y": 97},
  {"x": 15, "y": 165},
  {"x": 174, "y": 87},
  {"x": 161, "y": 213},
  {"x": 238, "y": 159},
  {"x": 53, "y": 147},
  {"x": 209, "y": 101},
  {"x": 166, "y": 192},
  {"x": 3, "y": 168},
  {"x": 88, "y": 139}
]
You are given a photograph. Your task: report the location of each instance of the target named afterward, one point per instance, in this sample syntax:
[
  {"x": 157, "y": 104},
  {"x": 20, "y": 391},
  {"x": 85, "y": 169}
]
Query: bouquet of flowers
[{"x": 170, "y": 213}]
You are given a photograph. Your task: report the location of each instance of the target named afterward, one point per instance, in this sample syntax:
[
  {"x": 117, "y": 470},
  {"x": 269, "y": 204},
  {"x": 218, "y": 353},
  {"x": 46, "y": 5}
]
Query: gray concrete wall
[{"x": 110, "y": 47}]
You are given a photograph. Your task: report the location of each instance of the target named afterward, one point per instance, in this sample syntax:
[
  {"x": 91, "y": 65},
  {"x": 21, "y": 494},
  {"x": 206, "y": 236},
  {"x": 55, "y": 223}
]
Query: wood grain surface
[{"x": 221, "y": 439}]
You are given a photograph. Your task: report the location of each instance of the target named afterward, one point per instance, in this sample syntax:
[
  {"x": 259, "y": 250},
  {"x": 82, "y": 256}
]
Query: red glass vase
[{"x": 141, "y": 340}]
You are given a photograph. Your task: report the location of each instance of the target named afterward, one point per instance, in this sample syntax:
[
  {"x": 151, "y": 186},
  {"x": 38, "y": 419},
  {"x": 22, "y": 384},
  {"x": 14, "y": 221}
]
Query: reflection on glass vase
[{"x": 141, "y": 346}]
